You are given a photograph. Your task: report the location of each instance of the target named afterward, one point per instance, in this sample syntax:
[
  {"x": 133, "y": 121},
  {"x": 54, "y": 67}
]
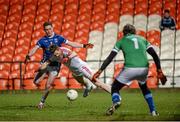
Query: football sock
[
  {"x": 149, "y": 100},
  {"x": 116, "y": 86},
  {"x": 148, "y": 96},
  {"x": 116, "y": 97}
]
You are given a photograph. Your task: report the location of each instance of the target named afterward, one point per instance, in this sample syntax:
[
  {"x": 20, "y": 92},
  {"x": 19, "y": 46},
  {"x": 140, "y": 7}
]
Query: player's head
[
  {"x": 48, "y": 28},
  {"x": 54, "y": 49},
  {"x": 166, "y": 13},
  {"x": 129, "y": 29}
]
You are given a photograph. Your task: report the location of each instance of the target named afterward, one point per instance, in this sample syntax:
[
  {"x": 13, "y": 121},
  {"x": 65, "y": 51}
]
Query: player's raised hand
[
  {"x": 89, "y": 45},
  {"x": 27, "y": 58},
  {"x": 161, "y": 76},
  {"x": 96, "y": 75}
]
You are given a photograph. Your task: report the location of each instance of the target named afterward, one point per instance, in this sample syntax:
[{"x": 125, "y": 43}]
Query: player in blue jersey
[{"x": 51, "y": 38}]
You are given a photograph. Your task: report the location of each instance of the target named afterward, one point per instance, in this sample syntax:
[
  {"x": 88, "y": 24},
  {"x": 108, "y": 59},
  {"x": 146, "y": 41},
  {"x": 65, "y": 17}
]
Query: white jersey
[{"x": 75, "y": 64}]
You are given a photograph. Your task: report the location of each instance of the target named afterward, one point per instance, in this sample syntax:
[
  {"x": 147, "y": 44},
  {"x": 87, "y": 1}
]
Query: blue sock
[
  {"x": 150, "y": 101},
  {"x": 116, "y": 98}
]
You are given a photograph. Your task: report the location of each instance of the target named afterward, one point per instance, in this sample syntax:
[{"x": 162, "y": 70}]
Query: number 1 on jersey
[{"x": 136, "y": 46}]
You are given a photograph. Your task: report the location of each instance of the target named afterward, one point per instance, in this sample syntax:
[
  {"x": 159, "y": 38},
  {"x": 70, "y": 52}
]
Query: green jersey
[{"x": 134, "y": 50}]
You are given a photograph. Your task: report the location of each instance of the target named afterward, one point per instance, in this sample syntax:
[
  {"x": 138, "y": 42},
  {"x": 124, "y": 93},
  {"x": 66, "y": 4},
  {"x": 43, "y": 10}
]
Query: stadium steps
[{"x": 21, "y": 26}]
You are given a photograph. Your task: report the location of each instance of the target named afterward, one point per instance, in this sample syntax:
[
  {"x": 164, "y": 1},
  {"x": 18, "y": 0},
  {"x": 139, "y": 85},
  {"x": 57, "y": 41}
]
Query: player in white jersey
[{"x": 78, "y": 67}]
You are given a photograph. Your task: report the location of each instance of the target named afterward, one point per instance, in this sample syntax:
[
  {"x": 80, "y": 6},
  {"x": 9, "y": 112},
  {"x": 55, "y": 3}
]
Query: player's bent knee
[
  {"x": 144, "y": 88},
  {"x": 116, "y": 86}
]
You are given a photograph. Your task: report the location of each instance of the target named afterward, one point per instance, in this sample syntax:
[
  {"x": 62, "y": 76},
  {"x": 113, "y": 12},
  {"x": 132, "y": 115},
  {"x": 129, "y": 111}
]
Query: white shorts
[
  {"x": 79, "y": 67},
  {"x": 128, "y": 74}
]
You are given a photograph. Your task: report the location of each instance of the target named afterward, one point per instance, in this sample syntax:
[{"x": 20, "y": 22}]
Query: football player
[
  {"x": 134, "y": 48},
  {"x": 78, "y": 67},
  {"x": 51, "y": 38}
]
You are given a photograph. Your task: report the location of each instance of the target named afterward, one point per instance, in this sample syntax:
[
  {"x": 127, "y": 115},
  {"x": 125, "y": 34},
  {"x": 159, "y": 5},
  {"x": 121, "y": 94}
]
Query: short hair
[
  {"x": 46, "y": 24},
  {"x": 53, "y": 48},
  {"x": 166, "y": 11},
  {"x": 129, "y": 29}
]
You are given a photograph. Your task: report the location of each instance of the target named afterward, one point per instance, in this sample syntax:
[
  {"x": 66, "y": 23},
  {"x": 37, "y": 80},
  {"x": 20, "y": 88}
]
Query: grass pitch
[{"x": 21, "y": 105}]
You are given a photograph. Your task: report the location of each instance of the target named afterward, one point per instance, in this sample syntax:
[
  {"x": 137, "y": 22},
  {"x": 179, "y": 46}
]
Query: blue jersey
[{"x": 45, "y": 43}]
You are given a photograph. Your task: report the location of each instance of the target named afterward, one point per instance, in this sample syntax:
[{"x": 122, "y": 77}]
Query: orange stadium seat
[
  {"x": 37, "y": 56},
  {"x": 71, "y": 9},
  {"x": 71, "y": 1},
  {"x": 98, "y": 17},
  {"x": 64, "y": 71},
  {"x": 6, "y": 49},
  {"x": 178, "y": 25},
  {"x": 8, "y": 42},
  {"x": 155, "y": 8},
  {"x": 56, "y": 15},
  {"x": 26, "y": 33},
  {"x": 17, "y": 84},
  {"x": 127, "y": 1},
  {"x": 112, "y": 18},
  {"x": 42, "y": 17},
  {"x": 3, "y": 19},
  {"x": 28, "y": 18},
  {"x": 68, "y": 26},
  {"x": 84, "y": 18},
  {"x": 15, "y": 70},
  {"x": 118, "y": 67},
  {"x": 14, "y": 18},
  {"x": 4, "y": 70},
  {"x": 27, "y": 26},
  {"x": 10, "y": 34},
  {"x": 3, "y": 84},
  {"x": 44, "y": 8},
  {"x": 40, "y": 2},
  {"x": 73, "y": 84},
  {"x": 70, "y": 17},
  {"x": 127, "y": 8},
  {"x": 57, "y": 84},
  {"x": 68, "y": 34},
  {"x": 134, "y": 84},
  {"x": 30, "y": 8},
  {"x": 6, "y": 57},
  {"x": 4, "y": 2},
  {"x": 99, "y": 8},
  {"x": 84, "y": 25},
  {"x": 86, "y": 2},
  {"x": 22, "y": 41},
  {"x": 84, "y": 8},
  {"x": 19, "y": 57},
  {"x": 152, "y": 82},
  {"x": 99, "y": 1},
  {"x": 141, "y": 33},
  {"x": 12, "y": 26},
  {"x": 28, "y": 2},
  {"x": 81, "y": 36},
  {"x": 4, "y": 9},
  {"x": 29, "y": 85},
  {"x": 141, "y": 8},
  {"x": 154, "y": 37},
  {"x": 16, "y": 2},
  {"x": 15, "y": 9},
  {"x": 99, "y": 25},
  {"x": 153, "y": 1},
  {"x": 31, "y": 68},
  {"x": 57, "y": 12},
  {"x": 54, "y": 2},
  {"x": 22, "y": 49}
]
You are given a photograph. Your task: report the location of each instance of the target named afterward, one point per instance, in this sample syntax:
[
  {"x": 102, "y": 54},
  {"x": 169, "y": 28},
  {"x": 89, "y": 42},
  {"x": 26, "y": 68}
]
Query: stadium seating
[{"x": 95, "y": 21}]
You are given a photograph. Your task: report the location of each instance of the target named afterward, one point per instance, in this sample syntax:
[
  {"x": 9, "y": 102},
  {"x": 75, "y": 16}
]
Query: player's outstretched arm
[
  {"x": 105, "y": 64},
  {"x": 156, "y": 59},
  {"x": 78, "y": 45},
  {"x": 32, "y": 51}
]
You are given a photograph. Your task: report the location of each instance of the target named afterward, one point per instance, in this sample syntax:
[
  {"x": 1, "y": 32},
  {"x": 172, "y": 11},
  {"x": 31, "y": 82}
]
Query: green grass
[{"x": 22, "y": 106}]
